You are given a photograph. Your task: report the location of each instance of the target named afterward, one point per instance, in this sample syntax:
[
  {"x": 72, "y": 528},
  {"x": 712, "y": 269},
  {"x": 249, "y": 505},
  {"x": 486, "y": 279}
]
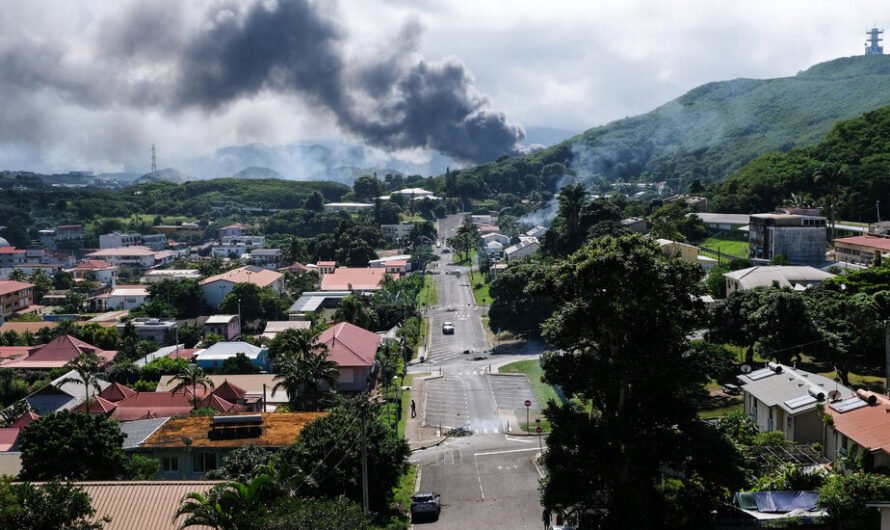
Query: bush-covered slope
[{"x": 706, "y": 134}]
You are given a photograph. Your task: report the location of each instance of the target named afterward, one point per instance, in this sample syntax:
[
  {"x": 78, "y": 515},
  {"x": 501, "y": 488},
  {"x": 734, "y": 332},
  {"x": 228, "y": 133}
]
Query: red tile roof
[
  {"x": 358, "y": 279},
  {"x": 143, "y": 405},
  {"x": 11, "y": 352},
  {"x": 397, "y": 263},
  {"x": 879, "y": 243},
  {"x": 868, "y": 426},
  {"x": 98, "y": 405},
  {"x": 8, "y": 437},
  {"x": 349, "y": 345},
  {"x": 57, "y": 353},
  {"x": 327, "y": 263},
  {"x": 11, "y": 250},
  {"x": 25, "y": 420},
  {"x": 217, "y": 403},
  {"x": 11, "y": 286},
  {"x": 93, "y": 265},
  {"x": 229, "y": 392},
  {"x": 116, "y": 392},
  {"x": 259, "y": 277},
  {"x": 297, "y": 266}
]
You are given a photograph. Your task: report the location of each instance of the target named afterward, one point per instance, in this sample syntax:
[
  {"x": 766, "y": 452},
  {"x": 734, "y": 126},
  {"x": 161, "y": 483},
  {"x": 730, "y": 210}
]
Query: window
[
  {"x": 790, "y": 423},
  {"x": 202, "y": 462},
  {"x": 169, "y": 463}
]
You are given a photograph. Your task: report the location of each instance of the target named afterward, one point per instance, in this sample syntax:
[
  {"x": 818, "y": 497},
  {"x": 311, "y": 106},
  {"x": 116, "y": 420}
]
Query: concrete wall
[{"x": 801, "y": 244}]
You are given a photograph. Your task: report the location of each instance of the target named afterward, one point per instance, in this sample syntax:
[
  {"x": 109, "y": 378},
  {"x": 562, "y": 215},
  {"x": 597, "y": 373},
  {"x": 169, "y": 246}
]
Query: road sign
[
  {"x": 528, "y": 403},
  {"x": 539, "y": 430}
]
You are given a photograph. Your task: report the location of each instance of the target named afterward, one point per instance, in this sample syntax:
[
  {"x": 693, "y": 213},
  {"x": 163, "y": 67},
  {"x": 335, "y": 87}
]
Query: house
[
  {"x": 214, "y": 356},
  {"x": 350, "y": 207},
  {"x": 176, "y": 351},
  {"x": 782, "y": 398},
  {"x": 274, "y": 327},
  {"x": 296, "y": 268},
  {"x": 355, "y": 279},
  {"x": 494, "y": 248},
  {"x": 236, "y": 246},
  {"x": 123, "y": 297},
  {"x": 675, "y": 249},
  {"x": 56, "y": 354},
  {"x": 724, "y": 222},
  {"x": 800, "y": 238},
  {"x": 118, "y": 240},
  {"x": 9, "y": 435},
  {"x": 413, "y": 194},
  {"x": 524, "y": 248},
  {"x": 394, "y": 232},
  {"x": 794, "y": 277},
  {"x": 159, "y": 275},
  {"x": 228, "y": 326},
  {"x": 635, "y": 224},
  {"x": 264, "y": 257},
  {"x": 95, "y": 270},
  {"x": 153, "y": 329},
  {"x": 536, "y": 231},
  {"x": 190, "y": 446},
  {"x": 62, "y": 237},
  {"x": 256, "y": 391},
  {"x": 354, "y": 350},
  {"x": 136, "y": 257},
  {"x": 141, "y": 505},
  {"x": 217, "y": 287},
  {"x": 11, "y": 257},
  {"x": 392, "y": 264},
  {"x": 859, "y": 423},
  {"x": 14, "y": 296},
  {"x": 326, "y": 267},
  {"x": 62, "y": 393},
  {"x": 125, "y": 404},
  {"x": 312, "y": 301},
  {"x": 235, "y": 230},
  {"x": 500, "y": 238},
  {"x": 862, "y": 249}
]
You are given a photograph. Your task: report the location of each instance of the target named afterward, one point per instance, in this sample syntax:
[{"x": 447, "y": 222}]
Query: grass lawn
[
  {"x": 480, "y": 290},
  {"x": 429, "y": 295},
  {"x": 470, "y": 260},
  {"x": 719, "y": 412},
  {"x": 532, "y": 369},
  {"x": 406, "y": 404},
  {"x": 730, "y": 247},
  {"x": 398, "y": 516}
]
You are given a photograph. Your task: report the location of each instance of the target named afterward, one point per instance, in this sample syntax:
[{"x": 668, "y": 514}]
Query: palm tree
[
  {"x": 86, "y": 366},
  {"x": 303, "y": 366},
  {"x": 572, "y": 199},
  {"x": 831, "y": 174},
  {"x": 229, "y": 506},
  {"x": 192, "y": 376}
]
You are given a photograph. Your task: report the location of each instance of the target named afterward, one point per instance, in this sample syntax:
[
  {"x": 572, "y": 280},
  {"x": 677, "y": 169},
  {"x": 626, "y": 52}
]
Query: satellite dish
[
  {"x": 746, "y": 368},
  {"x": 834, "y": 395}
]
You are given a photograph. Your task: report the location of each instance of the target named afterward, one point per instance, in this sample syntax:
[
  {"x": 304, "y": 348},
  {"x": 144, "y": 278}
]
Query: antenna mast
[
  {"x": 873, "y": 44},
  {"x": 154, "y": 162}
]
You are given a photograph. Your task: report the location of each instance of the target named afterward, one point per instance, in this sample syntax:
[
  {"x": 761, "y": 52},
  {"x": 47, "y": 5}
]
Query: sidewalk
[{"x": 418, "y": 436}]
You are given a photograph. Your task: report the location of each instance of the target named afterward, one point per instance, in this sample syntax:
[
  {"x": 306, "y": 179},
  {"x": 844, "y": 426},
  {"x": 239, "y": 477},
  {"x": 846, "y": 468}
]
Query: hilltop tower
[
  {"x": 154, "y": 163},
  {"x": 873, "y": 44}
]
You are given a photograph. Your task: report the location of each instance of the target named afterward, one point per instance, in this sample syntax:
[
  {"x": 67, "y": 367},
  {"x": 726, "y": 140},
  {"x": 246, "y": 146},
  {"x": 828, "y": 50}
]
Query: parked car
[
  {"x": 448, "y": 328},
  {"x": 425, "y": 506}
]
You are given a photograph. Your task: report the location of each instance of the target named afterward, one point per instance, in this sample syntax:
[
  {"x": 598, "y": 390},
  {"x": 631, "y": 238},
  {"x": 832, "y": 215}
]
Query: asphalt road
[{"x": 487, "y": 479}]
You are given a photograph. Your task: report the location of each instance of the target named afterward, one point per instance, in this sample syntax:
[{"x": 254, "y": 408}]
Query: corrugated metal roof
[
  {"x": 137, "y": 431},
  {"x": 142, "y": 505}
]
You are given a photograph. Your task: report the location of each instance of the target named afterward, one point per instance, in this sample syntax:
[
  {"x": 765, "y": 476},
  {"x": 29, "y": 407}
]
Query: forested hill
[
  {"x": 706, "y": 134},
  {"x": 855, "y": 155}
]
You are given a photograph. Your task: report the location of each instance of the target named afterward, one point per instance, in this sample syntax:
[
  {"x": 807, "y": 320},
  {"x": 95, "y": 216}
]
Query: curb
[
  {"x": 435, "y": 444},
  {"x": 536, "y": 461},
  {"x": 505, "y": 374}
]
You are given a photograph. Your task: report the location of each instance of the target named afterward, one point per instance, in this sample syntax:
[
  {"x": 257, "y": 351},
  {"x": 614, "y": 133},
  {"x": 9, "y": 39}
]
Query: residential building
[
  {"x": 236, "y": 246},
  {"x": 786, "y": 399},
  {"x": 137, "y": 257},
  {"x": 11, "y": 257},
  {"x": 536, "y": 231},
  {"x": 235, "y": 230},
  {"x": 159, "y": 275},
  {"x": 354, "y": 350},
  {"x": 860, "y": 249},
  {"x": 274, "y": 327},
  {"x": 227, "y": 326},
  {"x": 63, "y": 393},
  {"x": 313, "y": 301},
  {"x": 56, "y": 354},
  {"x": 860, "y": 423},
  {"x": 297, "y": 268},
  {"x": 723, "y": 222},
  {"x": 494, "y": 248},
  {"x": 268, "y": 258},
  {"x": 119, "y": 240},
  {"x": 217, "y": 287},
  {"x": 635, "y": 224},
  {"x": 525, "y": 247},
  {"x": 794, "y": 277},
  {"x": 125, "y": 404},
  {"x": 189, "y": 447},
  {"x": 500, "y": 238},
  {"x": 14, "y": 296},
  {"x": 487, "y": 219},
  {"x": 394, "y": 232},
  {"x": 153, "y": 329},
  {"x": 355, "y": 279},
  {"x": 175, "y": 351},
  {"x": 800, "y": 238},
  {"x": 256, "y": 391},
  {"x": 67, "y": 237},
  {"x": 413, "y": 194},
  {"x": 95, "y": 270},
  {"x": 399, "y": 263},
  {"x": 675, "y": 249},
  {"x": 183, "y": 230},
  {"x": 350, "y": 207},
  {"x": 214, "y": 356},
  {"x": 326, "y": 267}
]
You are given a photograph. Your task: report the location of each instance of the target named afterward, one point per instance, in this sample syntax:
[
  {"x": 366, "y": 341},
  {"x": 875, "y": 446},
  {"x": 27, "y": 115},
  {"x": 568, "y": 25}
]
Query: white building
[
  {"x": 526, "y": 247},
  {"x": 351, "y": 207},
  {"x": 396, "y": 231},
  {"x": 500, "y": 238},
  {"x": 138, "y": 257},
  {"x": 159, "y": 275},
  {"x": 217, "y": 287},
  {"x": 794, "y": 277},
  {"x": 125, "y": 297},
  {"x": 494, "y": 248}
]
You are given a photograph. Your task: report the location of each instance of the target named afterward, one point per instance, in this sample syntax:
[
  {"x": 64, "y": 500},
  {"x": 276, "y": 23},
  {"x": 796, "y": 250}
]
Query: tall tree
[
  {"x": 51, "y": 506},
  {"x": 621, "y": 327},
  {"x": 831, "y": 175},
  {"x": 190, "y": 378},
  {"x": 230, "y": 506}
]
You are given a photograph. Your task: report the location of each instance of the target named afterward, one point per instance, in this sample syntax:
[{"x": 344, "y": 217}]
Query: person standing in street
[
  {"x": 546, "y": 518},
  {"x": 413, "y": 409}
]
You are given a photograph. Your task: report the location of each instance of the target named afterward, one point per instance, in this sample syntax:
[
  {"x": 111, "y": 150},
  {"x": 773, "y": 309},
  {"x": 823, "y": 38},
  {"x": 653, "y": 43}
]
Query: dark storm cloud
[{"x": 147, "y": 57}]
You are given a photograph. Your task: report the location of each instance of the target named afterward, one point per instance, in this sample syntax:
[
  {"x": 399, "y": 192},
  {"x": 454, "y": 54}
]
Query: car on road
[
  {"x": 448, "y": 328},
  {"x": 425, "y": 505},
  {"x": 446, "y": 250}
]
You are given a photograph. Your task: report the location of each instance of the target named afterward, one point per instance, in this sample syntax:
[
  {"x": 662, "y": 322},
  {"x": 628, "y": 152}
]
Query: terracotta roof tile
[
  {"x": 355, "y": 278},
  {"x": 117, "y": 392},
  {"x": 229, "y": 392},
  {"x": 25, "y": 420},
  {"x": 254, "y": 275},
  {"x": 11, "y": 286},
  {"x": 350, "y": 345}
]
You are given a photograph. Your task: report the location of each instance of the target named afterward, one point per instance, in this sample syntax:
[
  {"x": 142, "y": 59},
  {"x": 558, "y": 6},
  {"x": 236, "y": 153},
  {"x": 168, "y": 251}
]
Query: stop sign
[
  {"x": 538, "y": 429},
  {"x": 528, "y": 403}
]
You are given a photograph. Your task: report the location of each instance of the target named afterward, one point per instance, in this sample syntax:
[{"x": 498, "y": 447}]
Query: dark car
[{"x": 425, "y": 506}]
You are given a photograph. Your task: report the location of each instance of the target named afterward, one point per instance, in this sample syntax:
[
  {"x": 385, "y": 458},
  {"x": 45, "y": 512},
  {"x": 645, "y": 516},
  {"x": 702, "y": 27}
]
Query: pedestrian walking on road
[
  {"x": 413, "y": 409},
  {"x": 546, "y": 517}
]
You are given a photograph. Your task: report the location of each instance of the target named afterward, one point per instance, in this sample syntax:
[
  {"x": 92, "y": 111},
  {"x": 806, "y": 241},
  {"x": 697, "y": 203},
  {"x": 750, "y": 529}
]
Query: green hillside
[
  {"x": 706, "y": 134},
  {"x": 860, "y": 147}
]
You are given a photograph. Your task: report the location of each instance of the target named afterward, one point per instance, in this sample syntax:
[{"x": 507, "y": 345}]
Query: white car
[{"x": 448, "y": 328}]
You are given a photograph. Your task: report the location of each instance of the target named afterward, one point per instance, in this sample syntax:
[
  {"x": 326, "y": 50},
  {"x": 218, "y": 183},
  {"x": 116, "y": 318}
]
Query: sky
[{"x": 91, "y": 85}]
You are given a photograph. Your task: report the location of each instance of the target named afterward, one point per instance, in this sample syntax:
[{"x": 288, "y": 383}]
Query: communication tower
[
  {"x": 154, "y": 162},
  {"x": 873, "y": 44}
]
